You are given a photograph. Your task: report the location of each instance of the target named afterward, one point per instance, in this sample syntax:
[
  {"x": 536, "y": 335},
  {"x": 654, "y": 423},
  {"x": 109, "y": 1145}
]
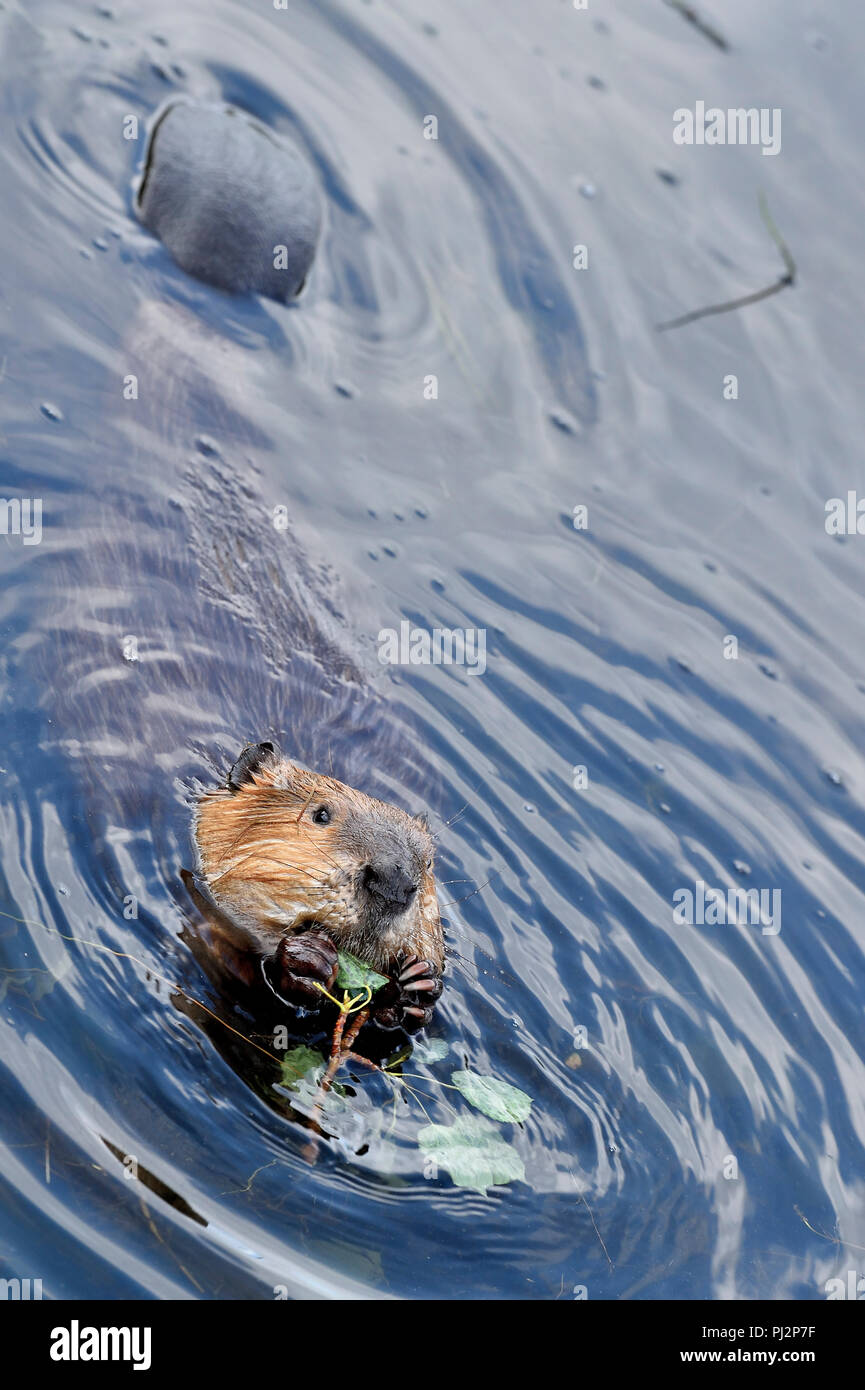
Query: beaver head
[{"x": 283, "y": 849}]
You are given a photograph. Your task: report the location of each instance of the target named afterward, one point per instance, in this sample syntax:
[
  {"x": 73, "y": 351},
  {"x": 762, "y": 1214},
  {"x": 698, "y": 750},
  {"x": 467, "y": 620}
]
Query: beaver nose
[{"x": 390, "y": 884}]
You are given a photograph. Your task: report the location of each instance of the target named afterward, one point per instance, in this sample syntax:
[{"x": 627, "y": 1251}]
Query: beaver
[
  {"x": 304, "y": 864},
  {"x": 235, "y": 205}
]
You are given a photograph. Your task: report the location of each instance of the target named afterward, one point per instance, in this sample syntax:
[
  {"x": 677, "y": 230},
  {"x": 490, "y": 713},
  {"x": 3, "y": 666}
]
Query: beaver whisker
[
  {"x": 254, "y": 854},
  {"x": 287, "y": 864},
  {"x": 237, "y": 840},
  {"x": 262, "y": 818},
  {"x": 243, "y": 833},
  {"x": 468, "y": 895},
  {"x": 453, "y": 820},
  {"x": 453, "y": 954},
  {"x": 320, "y": 851}
]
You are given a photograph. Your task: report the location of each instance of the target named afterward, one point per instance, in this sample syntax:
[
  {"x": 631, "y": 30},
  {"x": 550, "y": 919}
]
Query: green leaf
[
  {"x": 306, "y": 1097},
  {"x": 495, "y": 1098},
  {"x": 297, "y": 1063},
  {"x": 354, "y": 975},
  {"x": 431, "y": 1051},
  {"x": 473, "y": 1152},
  {"x": 397, "y": 1058}
]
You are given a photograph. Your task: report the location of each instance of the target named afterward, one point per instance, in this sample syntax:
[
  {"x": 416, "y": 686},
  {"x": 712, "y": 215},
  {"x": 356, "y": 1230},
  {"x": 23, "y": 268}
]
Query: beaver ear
[{"x": 254, "y": 758}]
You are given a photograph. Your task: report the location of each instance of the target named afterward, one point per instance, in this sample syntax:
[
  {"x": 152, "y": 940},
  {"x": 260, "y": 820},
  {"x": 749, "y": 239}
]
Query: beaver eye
[
  {"x": 429, "y": 863},
  {"x": 321, "y": 816}
]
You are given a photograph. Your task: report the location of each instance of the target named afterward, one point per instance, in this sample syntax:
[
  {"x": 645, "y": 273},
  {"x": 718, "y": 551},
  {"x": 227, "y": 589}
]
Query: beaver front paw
[
  {"x": 408, "y": 1000},
  {"x": 301, "y": 964}
]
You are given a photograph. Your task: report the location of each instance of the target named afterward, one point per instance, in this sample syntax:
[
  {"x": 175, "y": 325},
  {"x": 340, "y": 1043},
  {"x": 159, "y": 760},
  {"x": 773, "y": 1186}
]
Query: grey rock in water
[{"x": 235, "y": 204}]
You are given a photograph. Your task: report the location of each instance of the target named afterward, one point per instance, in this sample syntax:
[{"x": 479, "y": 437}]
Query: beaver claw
[
  {"x": 301, "y": 964},
  {"x": 407, "y": 1001}
]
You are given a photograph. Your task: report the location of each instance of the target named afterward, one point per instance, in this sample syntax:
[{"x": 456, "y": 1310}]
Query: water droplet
[
  {"x": 742, "y": 868},
  {"x": 833, "y": 777},
  {"x": 663, "y": 807},
  {"x": 527, "y": 806},
  {"x": 597, "y": 82},
  {"x": 61, "y": 888},
  {"x": 767, "y": 670},
  {"x": 51, "y": 412},
  {"x": 588, "y": 190},
  {"x": 345, "y": 388},
  {"x": 100, "y": 243},
  {"x": 667, "y": 176},
  {"x": 659, "y": 767}
]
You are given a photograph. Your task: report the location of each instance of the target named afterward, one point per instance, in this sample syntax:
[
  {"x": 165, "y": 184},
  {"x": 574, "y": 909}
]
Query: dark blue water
[{"x": 703, "y": 1137}]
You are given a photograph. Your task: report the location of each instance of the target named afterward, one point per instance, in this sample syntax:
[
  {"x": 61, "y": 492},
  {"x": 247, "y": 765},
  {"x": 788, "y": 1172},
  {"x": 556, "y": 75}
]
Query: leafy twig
[{"x": 340, "y": 1051}]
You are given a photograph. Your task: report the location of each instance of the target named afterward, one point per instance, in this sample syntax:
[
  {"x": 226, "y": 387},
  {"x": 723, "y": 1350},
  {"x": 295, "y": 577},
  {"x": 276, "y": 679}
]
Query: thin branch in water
[
  {"x": 594, "y": 1223},
  {"x": 705, "y": 28},
  {"x": 597, "y": 1232},
  {"x": 786, "y": 253},
  {"x": 149, "y": 971},
  {"x": 340, "y": 1051},
  {"x": 788, "y": 278},
  {"x": 365, "y": 1061}
]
